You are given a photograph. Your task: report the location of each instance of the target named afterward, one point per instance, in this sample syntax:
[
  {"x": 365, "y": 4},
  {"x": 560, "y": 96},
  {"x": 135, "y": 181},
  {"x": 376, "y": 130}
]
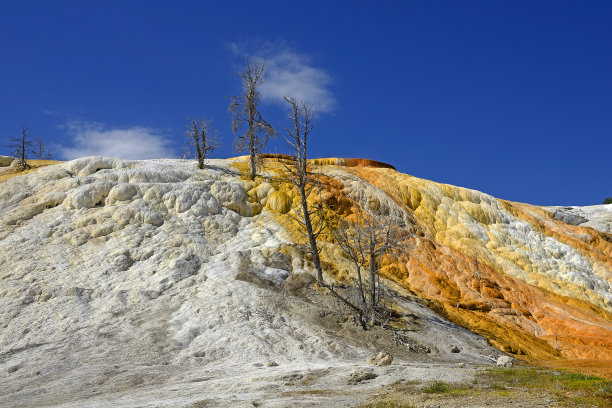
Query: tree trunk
[
  {"x": 199, "y": 150},
  {"x": 253, "y": 165},
  {"x": 23, "y": 165},
  {"x": 313, "y": 241},
  {"x": 252, "y": 152},
  {"x": 372, "y": 280},
  {"x": 359, "y": 281}
]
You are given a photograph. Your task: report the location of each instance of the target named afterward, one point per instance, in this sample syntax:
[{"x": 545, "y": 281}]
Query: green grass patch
[
  {"x": 498, "y": 387},
  {"x": 437, "y": 387},
  {"x": 510, "y": 384},
  {"x": 570, "y": 389}
]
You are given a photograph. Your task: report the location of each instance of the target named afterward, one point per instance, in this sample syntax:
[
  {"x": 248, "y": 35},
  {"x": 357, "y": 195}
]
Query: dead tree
[
  {"x": 245, "y": 111},
  {"x": 40, "y": 150},
  {"x": 306, "y": 182},
  {"x": 364, "y": 242},
  {"x": 21, "y": 148},
  {"x": 311, "y": 220},
  {"x": 349, "y": 242},
  {"x": 381, "y": 235},
  {"x": 202, "y": 139}
]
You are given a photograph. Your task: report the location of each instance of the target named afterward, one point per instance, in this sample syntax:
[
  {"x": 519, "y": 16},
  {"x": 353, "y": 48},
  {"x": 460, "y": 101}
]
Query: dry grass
[
  {"x": 514, "y": 385},
  {"x": 388, "y": 403},
  {"x": 571, "y": 389}
]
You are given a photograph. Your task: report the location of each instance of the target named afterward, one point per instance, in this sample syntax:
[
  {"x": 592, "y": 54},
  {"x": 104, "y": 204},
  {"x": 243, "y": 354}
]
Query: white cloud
[
  {"x": 289, "y": 73},
  {"x": 95, "y": 139}
]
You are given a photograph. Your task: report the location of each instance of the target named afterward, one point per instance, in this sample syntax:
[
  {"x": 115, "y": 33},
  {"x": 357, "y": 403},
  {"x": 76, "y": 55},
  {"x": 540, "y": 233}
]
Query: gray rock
[
  {"x": 359, "y": 376},
  {"x": 454, "y": 349},
  {"x": 567, "y": 217},
  {"x": 13, "y": 369},
  {"x": 381, "y": 359},
  {"x": 504, "y": 361}
]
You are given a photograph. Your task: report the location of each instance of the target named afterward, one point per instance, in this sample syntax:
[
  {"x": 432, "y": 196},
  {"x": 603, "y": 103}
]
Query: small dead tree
[
  {"x": 244, "y": 109},
  {"x": 364, "y": 242},
  {"x": 40, "y": 150},
  {"x": 202, "y": 138},
  {"x": 22, "y": 147}
]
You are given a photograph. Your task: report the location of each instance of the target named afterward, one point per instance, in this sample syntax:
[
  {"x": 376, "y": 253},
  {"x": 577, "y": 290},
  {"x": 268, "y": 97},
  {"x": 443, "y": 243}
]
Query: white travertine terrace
[{"x": 112, "y": 270}]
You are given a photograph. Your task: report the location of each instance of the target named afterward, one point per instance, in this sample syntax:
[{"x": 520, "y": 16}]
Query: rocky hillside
[
  {"x": 153, "y": 282},
  {"x": 512, "y": 272}
]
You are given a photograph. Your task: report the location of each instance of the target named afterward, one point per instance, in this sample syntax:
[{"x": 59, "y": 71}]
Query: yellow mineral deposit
[
  {"x": 535, "y": 287},
  {"x": 9, "y": 172}
]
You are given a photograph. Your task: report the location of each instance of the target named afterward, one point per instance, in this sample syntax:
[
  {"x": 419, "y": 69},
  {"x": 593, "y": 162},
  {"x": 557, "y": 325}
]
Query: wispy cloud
[
  {"x": 290, "y": 73},
  {"x": 49, "y": 112},
  {"x": 96, "y": 139}
]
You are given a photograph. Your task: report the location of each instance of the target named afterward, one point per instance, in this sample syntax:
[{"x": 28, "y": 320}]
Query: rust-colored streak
[
  {"x": 592, "y": 243},
  {"x": 517, "y": 317},
  {"x": 336, "y": 161},
  {"x": 529, "y": 320},
  {"x": 367, "y": 163}
]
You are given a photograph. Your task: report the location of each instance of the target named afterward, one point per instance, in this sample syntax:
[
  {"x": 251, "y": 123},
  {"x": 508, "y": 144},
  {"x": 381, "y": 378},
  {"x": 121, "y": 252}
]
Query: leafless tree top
[
  {"x": 21, "y": 147},
  {"x": 373, "y": 234},
  {"x": 244, "y": 109}
]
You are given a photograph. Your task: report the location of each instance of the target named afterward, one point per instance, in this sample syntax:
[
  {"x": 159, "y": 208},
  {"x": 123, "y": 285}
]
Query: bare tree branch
[
  {"x": 244, "y": 109},
  {"x": 301, "y": 118},
  {"x": 364, "y": 242},
  {"x": 306, "y": 182},
  {"x": 40, "y": 150},
  {"x": 22, "y": 147},
  {"x": 202, "y": 138}
]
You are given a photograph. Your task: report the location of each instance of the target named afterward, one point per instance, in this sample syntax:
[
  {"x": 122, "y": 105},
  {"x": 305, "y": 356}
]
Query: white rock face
[
  {"x": 121, "y": 274},
  {"x": 598, "y": 217},
  {"x": 504, "y": 361}
]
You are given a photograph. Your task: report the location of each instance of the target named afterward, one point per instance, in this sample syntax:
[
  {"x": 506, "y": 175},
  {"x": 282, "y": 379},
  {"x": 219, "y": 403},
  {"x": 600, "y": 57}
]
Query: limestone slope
[
  {"x": 117, "y": 276},
  {"x": 509, "y": 271},
  {"x": 535, "y": 286},
  {"x": 506, "y": 270}
]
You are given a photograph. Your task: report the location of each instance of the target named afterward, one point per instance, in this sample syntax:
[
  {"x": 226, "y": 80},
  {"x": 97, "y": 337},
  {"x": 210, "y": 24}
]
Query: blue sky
[{"x": 513, "y": 98}]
